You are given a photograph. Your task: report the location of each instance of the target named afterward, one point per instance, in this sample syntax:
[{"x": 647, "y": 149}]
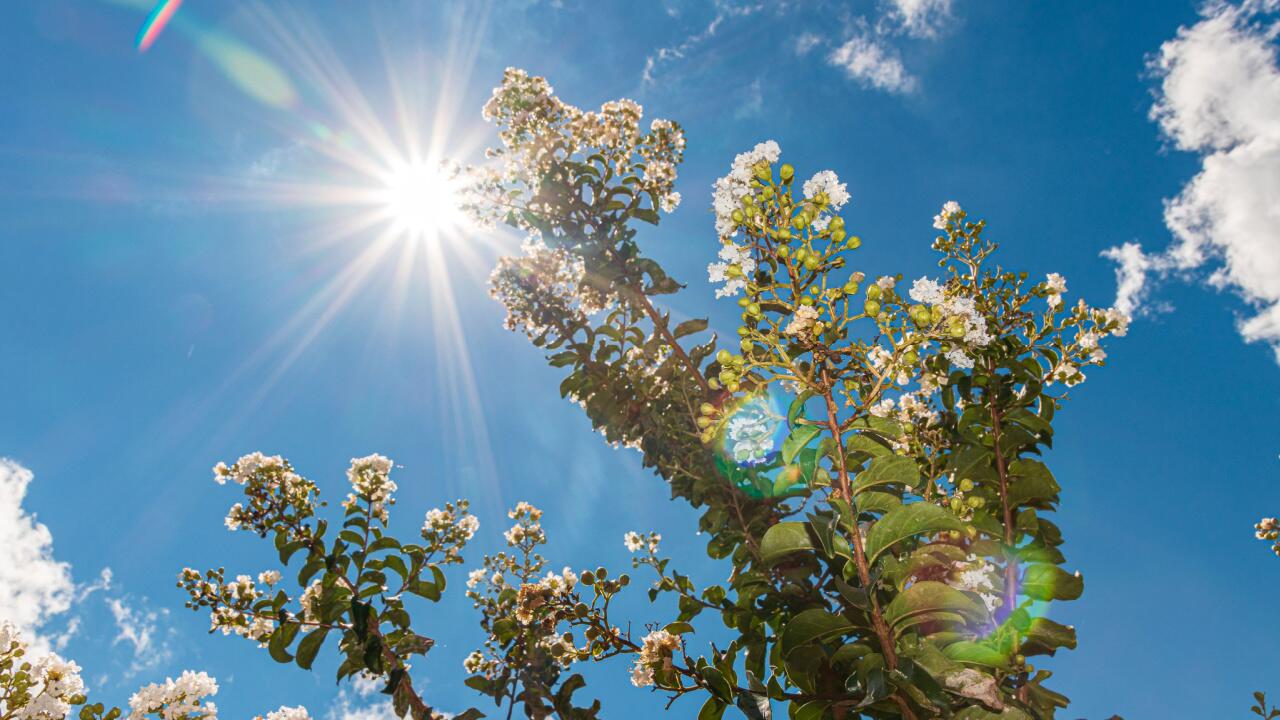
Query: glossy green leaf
[{"x": 905, "y": 522}]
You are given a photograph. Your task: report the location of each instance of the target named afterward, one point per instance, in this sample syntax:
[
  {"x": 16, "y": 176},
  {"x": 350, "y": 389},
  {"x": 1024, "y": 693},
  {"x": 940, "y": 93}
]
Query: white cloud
[
  {"x": 806, "y": 42},
  {"x": 872, "y": 64},
  {"x": 1219, "y": 96},
  {"x": 34, "y": 586},
  {"x": 920, "y": 18}
]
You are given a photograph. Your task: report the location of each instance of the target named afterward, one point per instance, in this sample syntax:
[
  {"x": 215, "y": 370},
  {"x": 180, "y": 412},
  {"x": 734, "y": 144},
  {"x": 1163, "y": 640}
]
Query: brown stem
[
  {"x": 1010, "y": 566},
  {"x": 859, "y": 555},
  {"x": 661, "y": 325}
]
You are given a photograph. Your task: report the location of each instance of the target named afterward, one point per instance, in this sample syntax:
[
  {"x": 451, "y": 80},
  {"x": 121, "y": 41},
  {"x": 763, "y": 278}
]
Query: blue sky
[{"x": 164, "y": 304}]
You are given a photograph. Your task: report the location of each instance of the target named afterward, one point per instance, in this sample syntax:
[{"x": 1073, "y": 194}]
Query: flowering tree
[{"x": 867, "y": 457}]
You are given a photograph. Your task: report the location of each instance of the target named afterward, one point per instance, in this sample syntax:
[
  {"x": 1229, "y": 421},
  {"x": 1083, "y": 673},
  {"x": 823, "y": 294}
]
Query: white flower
[
  {"x": 633, "y": 541},
  {"x": 802, "y": 321},
  {"x": 730, "y": 189},
  {"x": 927, "y": 291},
  {"x": 827, "y": 182},
  {"x": 176, "y": 699},
  {"x": 475, "y": 577},
  {"x": 886, "y": 282},
  {"x": 960, "y": 359},
  {"x": 1055, "y": 285},
  {"x": 949, "y": 210},
  {"x": 736, "y": 267},
  {"x": 269, "y": 577}
]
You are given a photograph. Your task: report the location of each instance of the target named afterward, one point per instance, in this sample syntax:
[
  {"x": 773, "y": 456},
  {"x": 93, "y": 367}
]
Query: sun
[{"x": 421, "y": 200}]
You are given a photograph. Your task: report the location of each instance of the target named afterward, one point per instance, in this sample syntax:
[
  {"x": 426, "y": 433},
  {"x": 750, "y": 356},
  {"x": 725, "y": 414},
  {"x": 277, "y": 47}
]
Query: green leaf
[
  {"x": 800, "y": 436},
  {"x": 717, "y": 683},
  {"x": 885, "y": 471},
  {"x": 783, "y": 539},
  {"x": 689, "y": 327},
  {"x": 1050, "y": 582},
  {"x": 877, "y": 502},
  {"x": 797, "y": 406},
  {"x": 811, "y": 710},
  {"x": 278, "y": 646},
  {"x": 906, "y": 522},
  {"x": 974, "y": 653},
  {"x": 1045, "y": 636},
  {"x": 649, "y": 216},
  {"x": 309, "y": 646},
  {"x": 929, "y": 596},
  {"x": 755, "y": 707},
  {"x": 811, "y": 626},
  {"x": 712, "y": 709},
  {"x": 678, "y": 628}
]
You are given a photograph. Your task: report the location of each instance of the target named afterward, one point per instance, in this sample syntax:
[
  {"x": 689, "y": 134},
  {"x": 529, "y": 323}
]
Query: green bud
[
  {"x": 754, "y": 310},
  {"x": 707, "y": 409},
  {"x": 966, "y": 485},
  {"x": 763, "y": 171},
  {"x": 837, "y": 235},
  {"x": 837, "y": 223},
  {"x": 733, "y": 386},
  {"x": 812, "y": 262},
  {"x": 800, "y": 221},
  {"x": 746, "y": 344},
  {"x": 738, "y": 216},
  {"x": 767, "y": 193},
  {"x": 714, "y": 384},
  {"x": 871, "y": 307},
  {"x": 787, "y": 172},
  {"x": 910, "y": 357},
  {"x": 806, "y": 300},
  {"x": 851, "y": 288},
  {"x": 874, "y": 291},
  {"x": 704, "y": 422},
  {"x": 784, "y": 235},
  {"x": 743, "y": 332},
  {"x": 783, "y": 251},
  {"x": 854, "y": 243}
]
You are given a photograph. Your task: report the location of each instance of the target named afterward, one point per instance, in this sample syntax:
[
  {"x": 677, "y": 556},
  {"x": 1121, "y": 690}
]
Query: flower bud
[
  {"x": 871, "y": 307},
  {"x": 708, "y": 409},
  {"x": 787, "y": 172},
  {"x": 723, "y": 357},
  {"x": 837, "y": 235},
  {"x": 854, "y": 243},
  {"x": 874, "y": 292}
]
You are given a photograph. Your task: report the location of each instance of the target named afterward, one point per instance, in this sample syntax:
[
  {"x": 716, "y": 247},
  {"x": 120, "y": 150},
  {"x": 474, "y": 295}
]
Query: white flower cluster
[
  {"x": 544, "y": 285},
  {"x": 310, "y": 601},
  {"x": 1055, "y": 285},
  {"x": 825, "y": 185},
  {"x": 975, "y": 575},
  {"x": 449, "y": 529},
  {"x": 565, "y": 582},
  {"x": 729, "y": 190},
  {"x": 54, "y": 684},
  {"x": 950, "y": 210},
  {"x": 180, "y": 699},
  {"x": 908, "y": 408},
  {"x": 802, "y": 321},
  {"x": 268, "y": 476},
  {"x": 735, "y": 266},
  {"x": 538, "y": 130},
  {"x": 526, "y": 529},
  {"x": 656, "y": 650},
  {"x": 370, "y": 478},
  {"x": 635, "y": 542}
]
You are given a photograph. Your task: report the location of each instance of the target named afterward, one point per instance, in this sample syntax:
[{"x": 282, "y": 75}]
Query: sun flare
[{"x": 421, "y": 200}]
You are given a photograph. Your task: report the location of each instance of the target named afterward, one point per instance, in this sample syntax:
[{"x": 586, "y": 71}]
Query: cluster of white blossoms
[
  {"x": 1055, "y": 285},
  {"x": 907, "y": 408},
  {"x": 825, "y": 185},
  {"x": 655, "y": 652},
  {"x": 544, "y": 286},
  {"x": 181, "y": 699},
  {"x": 370, "y": 477},
  {"x": 539, "y": 130},
  {"x": 729, "y": 190},
  {"x": 449, "y": 529},
  {"x": 950, "y": 211},
  {"x": 44, "y": 690},
  {"x": 635, "y": 542},
  {"x": 976, "y": 575},
  {"x": 802, "y": 321},
  {"x": 960, "y": 315},
  {"x": 1268, "y": 528},
  {"x": 230, "y": 603},
  {"x": 526, "y": 531},
  {"x": 271, "y": 484},
  {"x": 310, "y": 601},
  {"x": 735, "y": 266}
]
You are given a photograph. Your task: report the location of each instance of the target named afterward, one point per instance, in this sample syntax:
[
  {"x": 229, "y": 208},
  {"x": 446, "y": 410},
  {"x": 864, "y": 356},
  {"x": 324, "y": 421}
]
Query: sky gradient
[{"x": 181, "y": 284}]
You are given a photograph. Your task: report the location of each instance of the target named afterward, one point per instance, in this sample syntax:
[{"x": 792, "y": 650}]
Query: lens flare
[
  {"x": 155, "y": 23},
  {"x": 421, "y": 200},
  {"x": 750, "y": 455}
]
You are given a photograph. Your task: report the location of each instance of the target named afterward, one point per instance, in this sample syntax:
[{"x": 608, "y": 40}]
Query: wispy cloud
[
  {"x": 1219, "y": 97},
  {"x": 807, "y": 42},
  {"x": 872, "y": 64},
  {"x": 664, "y": 55},
  {"x": 138, "y": 626}
]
